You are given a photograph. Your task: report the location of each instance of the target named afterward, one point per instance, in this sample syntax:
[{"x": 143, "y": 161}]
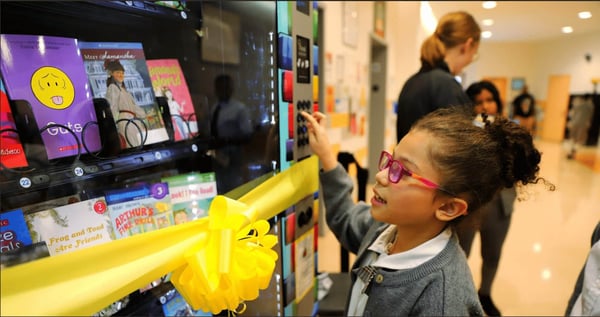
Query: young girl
[
  {"x": 485, "y": 97},
  {"x": 408, "y": 259},
  {"x": 496, "y": 215}
]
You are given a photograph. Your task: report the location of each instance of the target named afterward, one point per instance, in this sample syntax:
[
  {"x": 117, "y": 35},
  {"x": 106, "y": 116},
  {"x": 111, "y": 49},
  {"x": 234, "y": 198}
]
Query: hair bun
[{"x": 519, "y": 158}]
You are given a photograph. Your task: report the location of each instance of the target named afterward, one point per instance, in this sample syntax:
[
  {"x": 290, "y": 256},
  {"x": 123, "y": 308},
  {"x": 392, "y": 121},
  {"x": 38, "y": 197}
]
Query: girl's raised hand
[{"x": 318, "y": 140}]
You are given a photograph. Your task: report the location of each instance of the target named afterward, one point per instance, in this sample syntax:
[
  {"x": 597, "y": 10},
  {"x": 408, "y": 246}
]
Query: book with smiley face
[{"x": 48, "y": 73}]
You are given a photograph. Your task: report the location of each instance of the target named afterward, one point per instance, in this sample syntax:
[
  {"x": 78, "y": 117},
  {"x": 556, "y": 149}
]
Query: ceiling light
[
  {"x": 486, "y": 34},
  {"x": 488, "y": 4},
  {"x": 567, "y": 29},
  {"x": 546, "y": 274},
  {"x": 585, "y": 15},
  {"x": 487, "y": 22}
]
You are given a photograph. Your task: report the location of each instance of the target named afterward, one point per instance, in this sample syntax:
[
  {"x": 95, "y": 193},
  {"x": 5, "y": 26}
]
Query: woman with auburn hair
[{"x": 444, "y": 55}]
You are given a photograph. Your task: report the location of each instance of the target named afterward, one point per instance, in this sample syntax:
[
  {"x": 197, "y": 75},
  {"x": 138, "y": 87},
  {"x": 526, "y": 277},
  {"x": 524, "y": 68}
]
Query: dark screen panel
[{"x": 165, "y": 33}]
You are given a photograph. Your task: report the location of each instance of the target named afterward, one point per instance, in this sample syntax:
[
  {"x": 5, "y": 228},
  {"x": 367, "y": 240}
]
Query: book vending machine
[{"x": 123, "y": 122}]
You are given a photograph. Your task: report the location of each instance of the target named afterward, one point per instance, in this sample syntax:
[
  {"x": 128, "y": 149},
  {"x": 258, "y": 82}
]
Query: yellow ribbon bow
[{"x": 232, "y": 264}]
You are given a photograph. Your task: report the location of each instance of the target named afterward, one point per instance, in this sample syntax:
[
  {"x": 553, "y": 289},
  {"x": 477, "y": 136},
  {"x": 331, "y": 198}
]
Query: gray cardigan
[{"x": 442, "y": 286}]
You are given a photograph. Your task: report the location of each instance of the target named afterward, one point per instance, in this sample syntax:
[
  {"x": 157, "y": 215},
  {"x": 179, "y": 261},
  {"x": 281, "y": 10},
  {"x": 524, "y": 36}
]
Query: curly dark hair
[{"x": 476, "y": 162}]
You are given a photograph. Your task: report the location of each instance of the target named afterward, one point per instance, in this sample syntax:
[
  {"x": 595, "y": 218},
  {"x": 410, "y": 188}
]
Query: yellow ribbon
[
  {"x": 85, "y": 281},
  {"x": 232, "y": 264}
]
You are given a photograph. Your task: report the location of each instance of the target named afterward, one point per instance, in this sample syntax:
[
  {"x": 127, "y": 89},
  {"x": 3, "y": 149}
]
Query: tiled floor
[{"x": 548, "y": 241}]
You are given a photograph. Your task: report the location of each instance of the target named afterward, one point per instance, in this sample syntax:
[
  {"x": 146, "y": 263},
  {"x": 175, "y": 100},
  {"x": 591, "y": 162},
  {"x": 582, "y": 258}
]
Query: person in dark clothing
[
  {"x": 444, "y": 54},
  {"x": 231, "y": 126},
  {"x": 524, "y": 109}
]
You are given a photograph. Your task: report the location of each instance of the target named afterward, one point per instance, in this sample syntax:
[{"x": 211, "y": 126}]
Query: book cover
[
  {"x": 191, "y": 195},
  {"x": 179, "y": 5},
  {"x": 168, "y": 81},
  {"x": 173, "y": 304},
  {"x": 48, "y": 73},
  {"x": 117, "y": 71},
  {"x": 71, "y": 227},
  {"x": 11, "y": 149},
  {"x": 14, "y": 233},
  {"x": 140, "y": 208}
]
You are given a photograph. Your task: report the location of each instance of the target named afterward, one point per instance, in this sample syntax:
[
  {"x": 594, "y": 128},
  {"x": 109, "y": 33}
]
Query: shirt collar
[
  {"x": 411, "y": 258},
  {"x": 439, "y": 65}
]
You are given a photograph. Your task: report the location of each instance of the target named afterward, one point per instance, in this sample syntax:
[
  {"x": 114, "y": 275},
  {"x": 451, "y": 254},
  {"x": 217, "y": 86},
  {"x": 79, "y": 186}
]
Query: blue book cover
[
  {"x": 138, "y": 209},
  {"x": 14, "y": 232},
  {"x": 173, "y": 304}
]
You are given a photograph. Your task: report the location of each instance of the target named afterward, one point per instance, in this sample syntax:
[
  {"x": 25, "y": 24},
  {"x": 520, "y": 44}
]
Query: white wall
[
  {"x": 536, "y": 61},
  {"x": 404, "y": 36},
  {"x": 504, "y": 60},
  {"x": 402, "y": 32},
  {"x": 352, "y": 87},
  {"x": 566, "y": 56}
]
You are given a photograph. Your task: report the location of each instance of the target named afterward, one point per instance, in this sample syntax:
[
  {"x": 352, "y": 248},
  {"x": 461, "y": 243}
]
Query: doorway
[
  {"x": 557, "y": 103},
  {"x": 377, "y": 106}
]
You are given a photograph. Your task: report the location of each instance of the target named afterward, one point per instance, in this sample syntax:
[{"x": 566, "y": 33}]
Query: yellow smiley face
[{"x": 52, "y": 87}]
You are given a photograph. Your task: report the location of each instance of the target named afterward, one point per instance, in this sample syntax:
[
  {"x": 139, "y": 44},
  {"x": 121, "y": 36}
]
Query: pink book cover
[
  {"x": 48, "y": 72},
  {"x": 168, "y": 81}
]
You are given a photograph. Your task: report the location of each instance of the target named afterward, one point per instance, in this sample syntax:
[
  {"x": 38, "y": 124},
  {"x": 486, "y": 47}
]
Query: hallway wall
[
  {"x": 345, "y": 75},
  {"x": 346, "y": 68},
  {"x": 536, "y": 61}
]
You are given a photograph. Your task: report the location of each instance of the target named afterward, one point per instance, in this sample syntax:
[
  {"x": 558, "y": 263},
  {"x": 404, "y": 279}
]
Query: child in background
[
  {"x": 580, "y": 120},
  {"x": 409, "y": 261},
  {"x": 494, "y": 217}
]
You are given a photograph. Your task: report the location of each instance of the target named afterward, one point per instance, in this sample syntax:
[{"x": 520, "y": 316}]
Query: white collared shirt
[{"x": 399, "y": 261}]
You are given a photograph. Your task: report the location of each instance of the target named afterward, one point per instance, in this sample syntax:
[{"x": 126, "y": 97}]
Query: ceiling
[{"x": 516, "y": 21}]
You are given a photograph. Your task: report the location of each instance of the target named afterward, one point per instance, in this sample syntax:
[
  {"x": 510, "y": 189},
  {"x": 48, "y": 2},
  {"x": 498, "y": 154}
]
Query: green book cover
[{"x": 191, "y": 195}]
